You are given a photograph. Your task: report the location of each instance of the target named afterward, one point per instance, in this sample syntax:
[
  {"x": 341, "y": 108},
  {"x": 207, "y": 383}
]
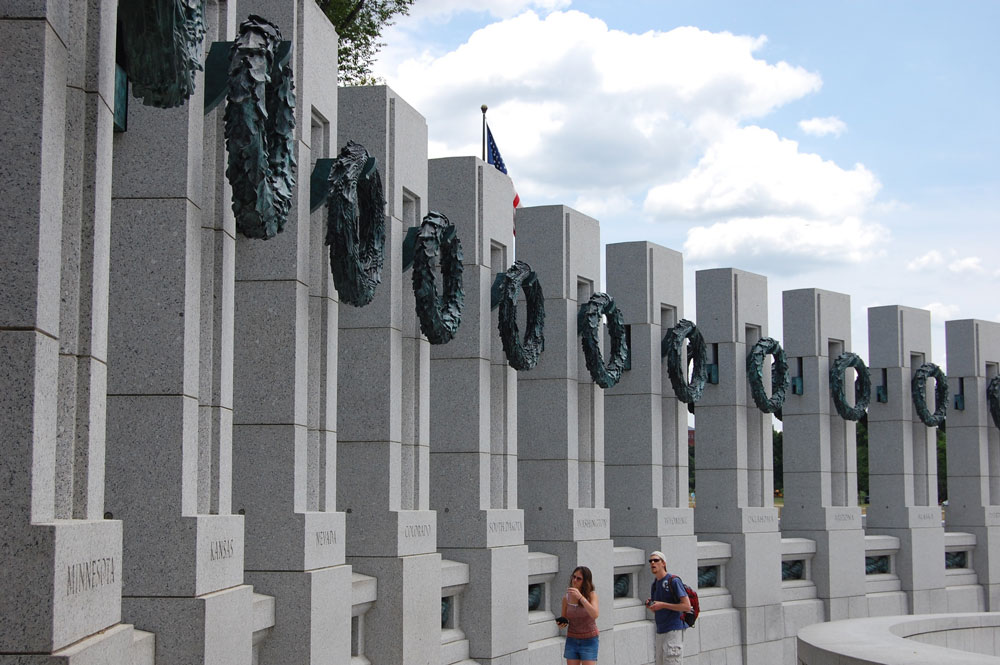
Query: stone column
[
  {"x": 62, "y": 561},
  {"x": 474, "y": 420},
  {"x": 383, "y": 397},
  {"x": 902, "y": 455},
  {"x": 820, "y": 453},
  {"x": 183, "y": 567},
  {"x": 285, "y": 381},
  {"x": 560, "y": 415},
  {"x": 733, "y": 480},
  {"x": 647, "y": 463},
  {"x": 974, "y": 447}
]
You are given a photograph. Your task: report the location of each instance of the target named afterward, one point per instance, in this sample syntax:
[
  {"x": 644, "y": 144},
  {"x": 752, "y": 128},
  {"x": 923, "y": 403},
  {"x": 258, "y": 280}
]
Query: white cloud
[
  {"x": 941, "y": 311},
  {"x": 784, "y": 244},
  {"x": 823, "y": 126},
  {"x": 969, "y": 264},
  {"x": 931, "y": 258},
  {"x": 752, "y": 171},
  {"x": 445, "y": 9},
  {"x": 577, "y": 107}
]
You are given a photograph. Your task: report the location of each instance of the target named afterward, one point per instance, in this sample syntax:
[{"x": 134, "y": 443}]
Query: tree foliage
[{"x": 359, "y": 24}]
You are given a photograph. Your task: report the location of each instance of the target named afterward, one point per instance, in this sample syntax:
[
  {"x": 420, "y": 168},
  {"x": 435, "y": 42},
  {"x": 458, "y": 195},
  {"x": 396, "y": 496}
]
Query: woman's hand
[{"x": 574, "y": 595}]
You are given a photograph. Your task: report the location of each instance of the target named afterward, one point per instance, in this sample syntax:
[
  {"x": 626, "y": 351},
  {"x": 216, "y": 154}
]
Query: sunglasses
[
  {"x": 577, "y": 577},
  {"x": 656, "y": 560}
]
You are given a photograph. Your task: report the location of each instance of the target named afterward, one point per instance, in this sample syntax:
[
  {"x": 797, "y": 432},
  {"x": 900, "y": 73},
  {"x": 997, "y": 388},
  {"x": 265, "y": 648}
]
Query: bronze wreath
[
  {"x": 163, "y": 48},
  {"x": 779, "y": 374},
  {"x": 993, "y": 399},
  {"x": 521, "y": 356},
  {"x": 671, "y": 346},
  {"x": 355, "y": 225},
  {"x": 862, "y": 386},
  {"x": 439, "y": 317},
  {"x": 588, "y": 326},
  {"x": 918, "y": 391},
  {"x": 260, "y": 130}
]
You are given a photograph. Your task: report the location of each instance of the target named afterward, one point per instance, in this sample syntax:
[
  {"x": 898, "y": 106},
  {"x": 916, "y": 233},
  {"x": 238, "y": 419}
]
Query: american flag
[{"x": 493, "y": 157}]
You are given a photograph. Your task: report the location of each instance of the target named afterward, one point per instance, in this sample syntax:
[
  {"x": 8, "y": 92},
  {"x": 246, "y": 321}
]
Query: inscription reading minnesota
[{"x": 88, "y": 575}]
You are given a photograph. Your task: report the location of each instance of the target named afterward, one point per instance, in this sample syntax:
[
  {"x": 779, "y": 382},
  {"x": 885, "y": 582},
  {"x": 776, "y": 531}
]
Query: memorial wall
[{"x": 278, "y": 388}]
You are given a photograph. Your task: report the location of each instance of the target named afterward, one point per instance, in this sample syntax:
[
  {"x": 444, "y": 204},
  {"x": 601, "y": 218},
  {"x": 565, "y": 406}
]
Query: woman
[{"x": 580, "y": 607}]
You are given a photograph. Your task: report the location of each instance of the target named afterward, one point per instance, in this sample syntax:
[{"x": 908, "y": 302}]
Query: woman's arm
[{"x": 591, "y": 605}]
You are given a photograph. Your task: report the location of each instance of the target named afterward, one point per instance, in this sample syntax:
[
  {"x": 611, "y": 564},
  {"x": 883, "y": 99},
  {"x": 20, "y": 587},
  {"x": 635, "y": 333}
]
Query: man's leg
[
  {"x": 659, "y": 648},
  {"x": 673, "y": 647}
]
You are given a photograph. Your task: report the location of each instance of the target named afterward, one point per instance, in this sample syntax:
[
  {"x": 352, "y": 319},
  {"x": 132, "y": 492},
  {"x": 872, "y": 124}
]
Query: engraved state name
[
  {"x": 326, "y": 538},
  {"x": 592, "y": 523},
  {"x": 418, "y": 530},
  {"x": 88, "y": 575},
  {"x": 760, "y": 519},
  {"x": 503, "y": 526},
  {"x": 675, "y": 520},
  {"x": 221, "y": 549},
  {"x": 843, "y": 517}
]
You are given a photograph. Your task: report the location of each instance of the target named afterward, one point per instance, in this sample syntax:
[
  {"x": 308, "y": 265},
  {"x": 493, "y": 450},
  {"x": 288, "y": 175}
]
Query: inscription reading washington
[
  {"x": 88, "y": 575},
  {"x": 596, "y": 523},
  {"x": 417, "y": 530},
  {"x": 503, "y": 526}
]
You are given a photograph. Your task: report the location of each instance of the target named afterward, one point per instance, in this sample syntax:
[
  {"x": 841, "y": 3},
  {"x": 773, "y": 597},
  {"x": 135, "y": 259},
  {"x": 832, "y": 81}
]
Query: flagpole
[{"x": 483, "y": 143}]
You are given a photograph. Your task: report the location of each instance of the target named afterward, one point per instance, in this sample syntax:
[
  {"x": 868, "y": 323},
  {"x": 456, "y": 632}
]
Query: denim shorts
[{"x": 581, "y": 649}]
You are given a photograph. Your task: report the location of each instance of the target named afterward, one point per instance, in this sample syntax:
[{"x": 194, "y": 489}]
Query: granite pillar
[
  {"x": 473, "y": 419},
  {"x": 183, "y": 550},
  {"x": 974, "y": 447},
  {"x": 560, "y": 414},
  {"x": 284, "y": 432},
  {"x": 383, "y": 399},
  {"x": 733, "y": 457},
  {"x": 62, "y": 561},
  {"x": 645, "y": 425},
  {"x": 820, "y": 452},
  {"x": 902, "y": 455}
]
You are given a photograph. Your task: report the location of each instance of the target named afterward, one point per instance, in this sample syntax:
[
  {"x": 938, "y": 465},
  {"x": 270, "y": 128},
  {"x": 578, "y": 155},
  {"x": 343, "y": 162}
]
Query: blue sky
[{"x": 852, "y": 146}]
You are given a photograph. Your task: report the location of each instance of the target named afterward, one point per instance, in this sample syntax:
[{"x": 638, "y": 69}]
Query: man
[{"x": 668, "y": 601}]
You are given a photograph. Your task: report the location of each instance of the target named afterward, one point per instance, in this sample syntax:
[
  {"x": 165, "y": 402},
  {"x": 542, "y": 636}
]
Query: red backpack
[{"x": 691, "y": 616}]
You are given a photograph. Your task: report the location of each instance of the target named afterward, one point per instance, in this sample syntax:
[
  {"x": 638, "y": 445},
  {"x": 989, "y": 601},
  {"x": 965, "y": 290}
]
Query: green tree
[{"x": 360, "y": 24}]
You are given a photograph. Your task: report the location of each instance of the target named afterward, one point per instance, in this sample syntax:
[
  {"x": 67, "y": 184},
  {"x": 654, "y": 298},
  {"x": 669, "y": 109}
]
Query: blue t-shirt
[{"x": 668, "y": 590}]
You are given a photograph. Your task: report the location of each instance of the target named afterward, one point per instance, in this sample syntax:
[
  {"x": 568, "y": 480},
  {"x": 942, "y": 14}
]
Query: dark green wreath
[
  {"x": 779, "y": 374},
  {"x": 260, "y": 130},
  {"x": 163, "y": 48},
  {"x": 355, "y": 225},
  {"x": 918, "y": 390},
  {"x": 862, "y": 386},
  {"x": 521, "y": 356},
  {"x": 588, "y": 326},
  {"x": 671, "y": 347},
  {"x": 439, "y": 317},
  {"x": 993, "y": 399}
]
